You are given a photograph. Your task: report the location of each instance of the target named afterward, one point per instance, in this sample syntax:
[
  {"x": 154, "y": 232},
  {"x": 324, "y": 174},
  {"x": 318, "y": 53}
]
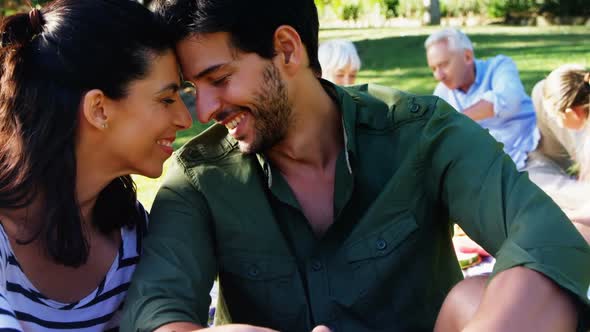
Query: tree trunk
[{"x": 431, "y": 12}]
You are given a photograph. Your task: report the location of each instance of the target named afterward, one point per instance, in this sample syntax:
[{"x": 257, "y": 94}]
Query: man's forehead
[
  {"x": 201, "y": 52},
  {"x": 438, "y": 51},
  {"x": 207, "y": 45}
]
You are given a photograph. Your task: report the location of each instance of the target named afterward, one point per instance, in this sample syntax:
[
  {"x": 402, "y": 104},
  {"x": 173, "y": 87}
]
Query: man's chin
[
  {"x": 450, "y": 86},
  {"x": 246, "y": 147}
]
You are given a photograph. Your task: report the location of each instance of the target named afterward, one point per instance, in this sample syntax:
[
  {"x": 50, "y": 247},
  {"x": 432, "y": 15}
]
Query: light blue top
[{"x": 513, "y": 123}]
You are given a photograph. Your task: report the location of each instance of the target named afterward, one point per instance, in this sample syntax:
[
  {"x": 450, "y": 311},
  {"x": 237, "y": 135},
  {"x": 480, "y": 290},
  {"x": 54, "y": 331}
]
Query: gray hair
[
  {"x": 338, "y": 53},
  {"x": 456, "y": 39}
]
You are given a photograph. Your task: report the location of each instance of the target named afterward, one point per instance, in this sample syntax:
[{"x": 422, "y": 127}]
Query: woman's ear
[
  {"x": 289, "y": 49},
  {"x": 575, "y": 117},
  {"x": 93, "y": 109}
]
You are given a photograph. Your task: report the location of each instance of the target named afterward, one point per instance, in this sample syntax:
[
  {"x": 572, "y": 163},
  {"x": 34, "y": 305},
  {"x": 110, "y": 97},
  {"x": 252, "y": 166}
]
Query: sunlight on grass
[{"x": 147, "y": 188}]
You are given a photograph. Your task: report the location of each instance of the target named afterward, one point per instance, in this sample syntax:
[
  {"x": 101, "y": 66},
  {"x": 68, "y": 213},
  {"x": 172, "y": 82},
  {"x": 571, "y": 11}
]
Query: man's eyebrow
[{"x": 209, "y": 70}]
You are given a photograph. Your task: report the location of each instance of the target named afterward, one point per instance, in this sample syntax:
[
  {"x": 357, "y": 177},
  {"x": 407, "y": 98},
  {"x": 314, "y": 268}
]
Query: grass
[{"x": 395, "y": 57}]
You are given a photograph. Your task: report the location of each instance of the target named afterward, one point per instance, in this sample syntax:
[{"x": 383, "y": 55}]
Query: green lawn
[{"x": 395, "y": 57}]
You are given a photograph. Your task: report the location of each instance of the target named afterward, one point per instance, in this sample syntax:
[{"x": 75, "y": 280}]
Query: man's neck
[
  {"x": 315, "y": 138},
  {"x": 469, "y": 79}
]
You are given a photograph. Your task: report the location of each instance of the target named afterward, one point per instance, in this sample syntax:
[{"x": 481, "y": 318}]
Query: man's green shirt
[{"x": 410, "y": 165}]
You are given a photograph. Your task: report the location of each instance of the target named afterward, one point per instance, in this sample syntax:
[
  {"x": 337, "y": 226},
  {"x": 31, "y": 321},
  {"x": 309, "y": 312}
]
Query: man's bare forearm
[
  {"x": 521, "y": 299},
  {"x": 480, "y": 111}
]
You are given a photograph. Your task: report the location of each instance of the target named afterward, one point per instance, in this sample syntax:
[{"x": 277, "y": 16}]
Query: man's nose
[
  {"x": 207, "y": 103},
  {"x": 439, "y": 75}
]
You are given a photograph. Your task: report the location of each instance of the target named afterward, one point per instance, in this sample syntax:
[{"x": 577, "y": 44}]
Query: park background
[{"x": 538, "y": 35}]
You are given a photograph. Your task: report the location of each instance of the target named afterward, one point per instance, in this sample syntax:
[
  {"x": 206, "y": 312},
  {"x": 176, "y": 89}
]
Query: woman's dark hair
[
  {"x": 250, "y": 23},
  {"x": 48, "y": 59}
]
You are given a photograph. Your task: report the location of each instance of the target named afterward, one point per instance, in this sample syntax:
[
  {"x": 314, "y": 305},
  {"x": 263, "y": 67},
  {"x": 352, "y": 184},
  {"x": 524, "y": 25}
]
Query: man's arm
[
  {"x": 511, "y": 218},
  {"x": 528, "y": 302},
  {"x": 178, "y": 264},
  {"x": 505, "y": 95},
  {"x": 481, "y": 110}
]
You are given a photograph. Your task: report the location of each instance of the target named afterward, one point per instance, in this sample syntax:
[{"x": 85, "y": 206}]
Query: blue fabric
[{"x": 513, "y": 123}]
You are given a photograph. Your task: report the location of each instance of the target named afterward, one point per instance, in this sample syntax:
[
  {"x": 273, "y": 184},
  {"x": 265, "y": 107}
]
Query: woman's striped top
[{"x": 23, "y": 308}]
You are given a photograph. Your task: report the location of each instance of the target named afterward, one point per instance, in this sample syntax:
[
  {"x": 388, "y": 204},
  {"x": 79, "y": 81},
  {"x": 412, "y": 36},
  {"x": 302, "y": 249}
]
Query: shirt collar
[
  {"x": 479, "y": 71},
  {"x": 347, "y": 104}
]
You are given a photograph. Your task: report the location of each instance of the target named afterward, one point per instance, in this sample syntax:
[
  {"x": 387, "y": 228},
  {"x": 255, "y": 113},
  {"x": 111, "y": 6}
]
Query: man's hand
[{"x": 189, "y": 327}]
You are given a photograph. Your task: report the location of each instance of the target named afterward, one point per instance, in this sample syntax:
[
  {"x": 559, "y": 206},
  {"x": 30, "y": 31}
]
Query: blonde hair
[{"x": 566, "y": 87}]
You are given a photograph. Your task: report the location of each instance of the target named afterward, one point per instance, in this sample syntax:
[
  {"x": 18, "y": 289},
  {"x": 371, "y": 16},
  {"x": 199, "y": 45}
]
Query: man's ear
[
  {"x": 289, "y": 49},
  {"x": 93, "y": 109},
  {"x": 468, "y": 56}
]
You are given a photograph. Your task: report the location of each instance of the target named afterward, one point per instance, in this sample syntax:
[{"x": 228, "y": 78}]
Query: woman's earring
[{"x": 105, "y": 125}]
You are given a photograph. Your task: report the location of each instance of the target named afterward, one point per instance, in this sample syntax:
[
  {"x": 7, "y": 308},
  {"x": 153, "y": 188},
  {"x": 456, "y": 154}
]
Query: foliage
[
  {"x": 456, "y": 8},
  {"x": 506, "y": 8},
  {"x": 9, "y": 7},
  {"x": 362, "y": 9},
  {"x": 350, "y": 12},
  {"x": 565, "y": 7},
  {"x": 390, "y": 8},
  {"x": 411, "y": 8}
]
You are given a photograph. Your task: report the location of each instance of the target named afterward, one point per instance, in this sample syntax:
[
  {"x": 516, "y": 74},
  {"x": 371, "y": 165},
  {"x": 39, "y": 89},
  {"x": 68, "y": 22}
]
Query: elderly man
[{"x": 488, "y": 91}]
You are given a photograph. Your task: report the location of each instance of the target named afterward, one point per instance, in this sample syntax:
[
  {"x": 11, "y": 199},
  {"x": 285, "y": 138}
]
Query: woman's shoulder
[
  {"x": 132, "y": 237},
  {"x": 537, "y": 92}
]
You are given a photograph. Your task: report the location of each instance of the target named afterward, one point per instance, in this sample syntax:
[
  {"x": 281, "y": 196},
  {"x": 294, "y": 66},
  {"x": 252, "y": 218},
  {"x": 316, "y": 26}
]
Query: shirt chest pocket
[
  {"x": 265, "y": 290},
  {"x": 375, "y": 264}
]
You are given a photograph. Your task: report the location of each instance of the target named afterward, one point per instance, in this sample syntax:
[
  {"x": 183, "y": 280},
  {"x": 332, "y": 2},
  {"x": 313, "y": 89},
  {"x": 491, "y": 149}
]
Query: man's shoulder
[
  {"x": 211, "y": 144},
  {"x": 499, "y": 60},
  {"x": 400, "y": 106}
]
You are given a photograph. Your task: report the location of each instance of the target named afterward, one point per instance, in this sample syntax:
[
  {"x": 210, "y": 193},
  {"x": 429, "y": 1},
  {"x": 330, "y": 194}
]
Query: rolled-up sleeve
[
  {"x": 507, "y": 91},
  {"x": 499, "y": 207},
  {"x": 178, "y": 266}
]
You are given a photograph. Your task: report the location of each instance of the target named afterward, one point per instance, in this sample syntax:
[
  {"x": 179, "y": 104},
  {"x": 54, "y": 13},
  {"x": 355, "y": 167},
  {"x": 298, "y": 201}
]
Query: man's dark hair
[{"x": 250, "y": 23}]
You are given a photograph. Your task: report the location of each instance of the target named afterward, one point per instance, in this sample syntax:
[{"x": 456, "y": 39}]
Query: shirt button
[
  {"x": 381, "y": 244},
  {"x": 415, "y": 108},
  {"x": 316, "y": 265},
  {"x": 253, "y": 271}
]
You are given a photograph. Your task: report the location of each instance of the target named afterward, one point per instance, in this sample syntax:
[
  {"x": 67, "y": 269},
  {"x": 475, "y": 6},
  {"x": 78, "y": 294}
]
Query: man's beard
[{"x": 271, "y": 112}]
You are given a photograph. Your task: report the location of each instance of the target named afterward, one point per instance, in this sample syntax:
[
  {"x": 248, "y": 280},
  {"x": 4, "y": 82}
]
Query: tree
[{"x": 432, "y": 12}]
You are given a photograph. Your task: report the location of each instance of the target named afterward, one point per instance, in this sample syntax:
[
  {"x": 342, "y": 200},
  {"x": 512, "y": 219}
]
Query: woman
[
  {"x": 339, "y": 60},
  {"x": 88, "y": 95},
  {"x": 562, "y": 103}
]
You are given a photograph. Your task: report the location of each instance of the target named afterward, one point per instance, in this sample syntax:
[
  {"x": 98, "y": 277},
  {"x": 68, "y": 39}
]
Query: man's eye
[{"x": 220, "y": 80}]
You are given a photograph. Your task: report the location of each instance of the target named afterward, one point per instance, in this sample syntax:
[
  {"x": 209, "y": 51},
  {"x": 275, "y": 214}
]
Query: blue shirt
[{"x": 513, "y": 123}]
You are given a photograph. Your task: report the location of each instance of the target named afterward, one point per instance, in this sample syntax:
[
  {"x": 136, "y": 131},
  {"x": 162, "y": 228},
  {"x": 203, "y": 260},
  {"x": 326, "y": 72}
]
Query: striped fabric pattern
[{"x": 23, "y": 308}]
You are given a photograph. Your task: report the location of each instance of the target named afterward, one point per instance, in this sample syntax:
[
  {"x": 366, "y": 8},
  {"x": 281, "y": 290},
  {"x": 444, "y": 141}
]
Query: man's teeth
[
  {"x": 164, "y": 142},
  {"x": 235, "y": 122}
]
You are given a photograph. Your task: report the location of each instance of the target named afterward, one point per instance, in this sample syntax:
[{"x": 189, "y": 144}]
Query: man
[
  {"x": 319, "y": 207},
  {"x": 488, "y": 91}
]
